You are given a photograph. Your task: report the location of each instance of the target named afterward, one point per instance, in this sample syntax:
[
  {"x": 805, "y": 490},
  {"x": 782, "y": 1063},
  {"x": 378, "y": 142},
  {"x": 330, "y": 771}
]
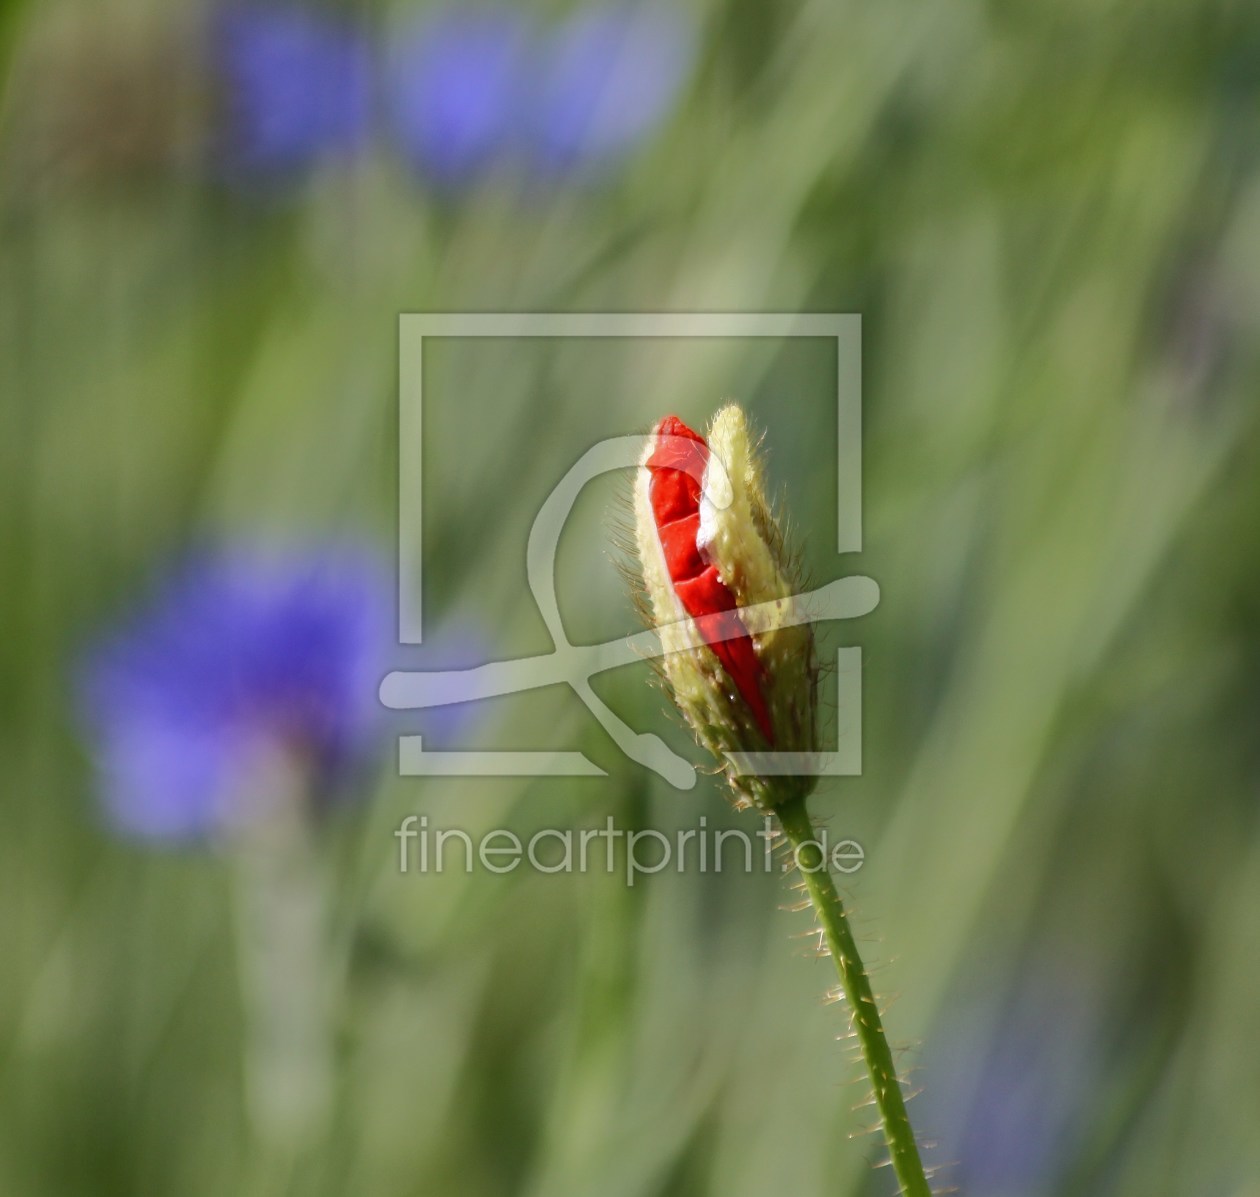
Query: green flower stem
[
  {"x": 799, "y": 829},
  {"x": 285, "y": 973}
]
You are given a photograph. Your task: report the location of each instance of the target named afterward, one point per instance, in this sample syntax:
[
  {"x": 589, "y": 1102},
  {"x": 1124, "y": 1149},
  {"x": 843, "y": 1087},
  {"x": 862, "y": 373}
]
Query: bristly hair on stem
[{"x": 864, "y": 1011}]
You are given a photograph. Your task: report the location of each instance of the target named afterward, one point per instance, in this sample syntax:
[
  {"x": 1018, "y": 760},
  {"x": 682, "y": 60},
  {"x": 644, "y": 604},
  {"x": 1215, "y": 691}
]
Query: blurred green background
[{"x": 1049, "y": 219}]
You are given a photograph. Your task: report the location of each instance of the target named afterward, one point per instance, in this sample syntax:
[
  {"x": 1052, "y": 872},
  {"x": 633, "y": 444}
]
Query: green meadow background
[{"x": 1049, "y": 220}]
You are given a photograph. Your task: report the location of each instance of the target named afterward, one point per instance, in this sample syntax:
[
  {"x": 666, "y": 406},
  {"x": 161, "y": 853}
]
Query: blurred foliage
[{"x": 1049, "y": 218}]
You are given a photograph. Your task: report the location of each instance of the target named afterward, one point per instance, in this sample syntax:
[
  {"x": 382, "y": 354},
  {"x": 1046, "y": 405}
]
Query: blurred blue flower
[
  {"x": 608, "y": 79},
  {"x": 296, "y": 84},
  {"x": 471, "y": 89},
  {"x": 1007, "y": 1095},
  {"x": 457, "y": 87},
  {"x": 247, "y": 658}
]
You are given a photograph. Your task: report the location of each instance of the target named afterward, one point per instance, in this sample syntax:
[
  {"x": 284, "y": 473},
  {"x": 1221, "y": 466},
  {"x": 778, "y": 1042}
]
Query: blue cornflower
[
  {"x": 474, "y": 89},
  {"x": 296, "y": 84},
  {"x": 458, "y": 85},
  {"x": 248, "y": 658},
  {"x": 608, "y": 79},
  {"x": 1007, "y": 1093}
]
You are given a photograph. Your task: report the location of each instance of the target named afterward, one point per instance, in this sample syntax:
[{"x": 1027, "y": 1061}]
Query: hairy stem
[{"x": 799, "y": 829}]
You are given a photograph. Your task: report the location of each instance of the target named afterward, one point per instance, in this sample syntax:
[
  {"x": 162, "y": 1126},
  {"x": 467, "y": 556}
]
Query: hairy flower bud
[{"x": 709, "y": 549}]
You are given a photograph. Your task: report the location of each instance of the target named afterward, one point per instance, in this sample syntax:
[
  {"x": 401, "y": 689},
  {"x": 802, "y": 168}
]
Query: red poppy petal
[
  {"x": 675, "y": 494},
  {"x": 675, "y": 498},
  {"x": 682, "y": 557}
]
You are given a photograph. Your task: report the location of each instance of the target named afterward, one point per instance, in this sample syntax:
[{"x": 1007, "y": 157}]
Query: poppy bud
[{"x": 709, "y": 548}]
